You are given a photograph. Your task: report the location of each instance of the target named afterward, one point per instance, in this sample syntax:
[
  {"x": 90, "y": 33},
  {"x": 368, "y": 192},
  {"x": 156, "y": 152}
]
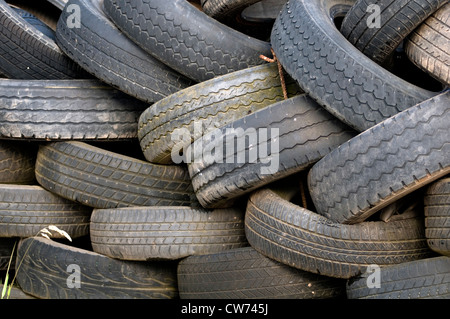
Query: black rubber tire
[
  {"x": 222, "y": 8},
  {"x": 166, "y": 233},
  {"x": 307, "y": 132},
  {"x": 104, "y": 51},
  {"x": 427, "y": 46},
  {"x": 27, "y": 53},
  {"x": 17, "y": 162},
  {"x": 43, "y": 110},
  {"x": 185, "y": 38},
  {"x": 332, "y": 71},
  {"x": 244, "y": 273},
  {"x": 437, "y": 216},
  {"x": 384, "y": 164},
  {"x": 102, "y": 179},
  {"x": 6, "y": 250},
  {"x": 25, "y": 210},
  {"x": 302, "y": 239},
  {"x": 214, "y": 103},
  {"x": 44, "y": 273},
  {"x": 398, "y": 18},
  {"x": 420, "y": 279}
]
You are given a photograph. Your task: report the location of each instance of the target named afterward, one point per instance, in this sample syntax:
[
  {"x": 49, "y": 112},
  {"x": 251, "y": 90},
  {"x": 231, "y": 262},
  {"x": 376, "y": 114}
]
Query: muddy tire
[
  {"x": 384, "y": 164},
  {"x": 47, "y": 267}
]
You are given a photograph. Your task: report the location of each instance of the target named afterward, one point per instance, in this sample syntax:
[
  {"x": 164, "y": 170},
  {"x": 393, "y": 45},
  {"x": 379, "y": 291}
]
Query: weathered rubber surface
[
  {"x": 6, "y": 249},
  {"x": 17, "y": 162},
  {"x": 427, "y": 46},
  {"x": 66, "y": 110},
  {"x": 332, "y": 71},
  {"x": 437, "y": 216},
  {"x": 167, "y": 233},
  {"x": 206, "y": 106},
  {"x": 185, "y": 38},
  {"x": 384, "y": 164},
  {"x": 25, "y": 210},
  {"x": 421, "y": 279},
  {"x": 305, "y": 240},
  {"x": 102, "y": 179},
  {"x": 104, "y": 51},
  {"x": 284, "y": 138},
  {"x": 244, "y": 273},
  {"x": 27, "y": 53},
  {"x": 398, "y": 18},
  {"x": 48, "y": 267}
]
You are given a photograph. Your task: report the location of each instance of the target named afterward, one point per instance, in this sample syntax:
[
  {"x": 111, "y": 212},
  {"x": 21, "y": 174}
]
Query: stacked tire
[{"x": 186, "y": 155}]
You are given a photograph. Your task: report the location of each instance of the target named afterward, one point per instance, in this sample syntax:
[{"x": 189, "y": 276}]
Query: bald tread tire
[{"x": 49, "y": 268}]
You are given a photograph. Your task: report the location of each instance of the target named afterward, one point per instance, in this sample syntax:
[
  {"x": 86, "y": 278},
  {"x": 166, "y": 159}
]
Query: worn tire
[
  {"x": 306, "y": 133},
  {"x": 398, "y": 18},
  {"x": 25, "y": 210},
  {"x": 102, "y": 179},
  {"x": 428, "y": 45},
  {"x": 43, "y": 110},
  {"x": 302, "y": 239},
  {"x": 185, "y": 38},
  {"x": 384, "y": 164},
  {"x": 46, "y": 268},
  {"x": 332, "y": 71},
  {"x": 213, "y": 103},
  {"x": 168, "y": 233},
  {"x": 437, "y": 216},
  {"x": 243, "y": 273},
  {"x": 17, "y": 162},
  {"x": 104, "y": 51},
  {"x": 27, "y": 53},
  {"x": 420, "y": 279}
]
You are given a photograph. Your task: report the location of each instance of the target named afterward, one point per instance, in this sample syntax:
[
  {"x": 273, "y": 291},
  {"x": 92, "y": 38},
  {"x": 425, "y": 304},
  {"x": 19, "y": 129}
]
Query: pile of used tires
[{"x": 198, "y": 150}]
